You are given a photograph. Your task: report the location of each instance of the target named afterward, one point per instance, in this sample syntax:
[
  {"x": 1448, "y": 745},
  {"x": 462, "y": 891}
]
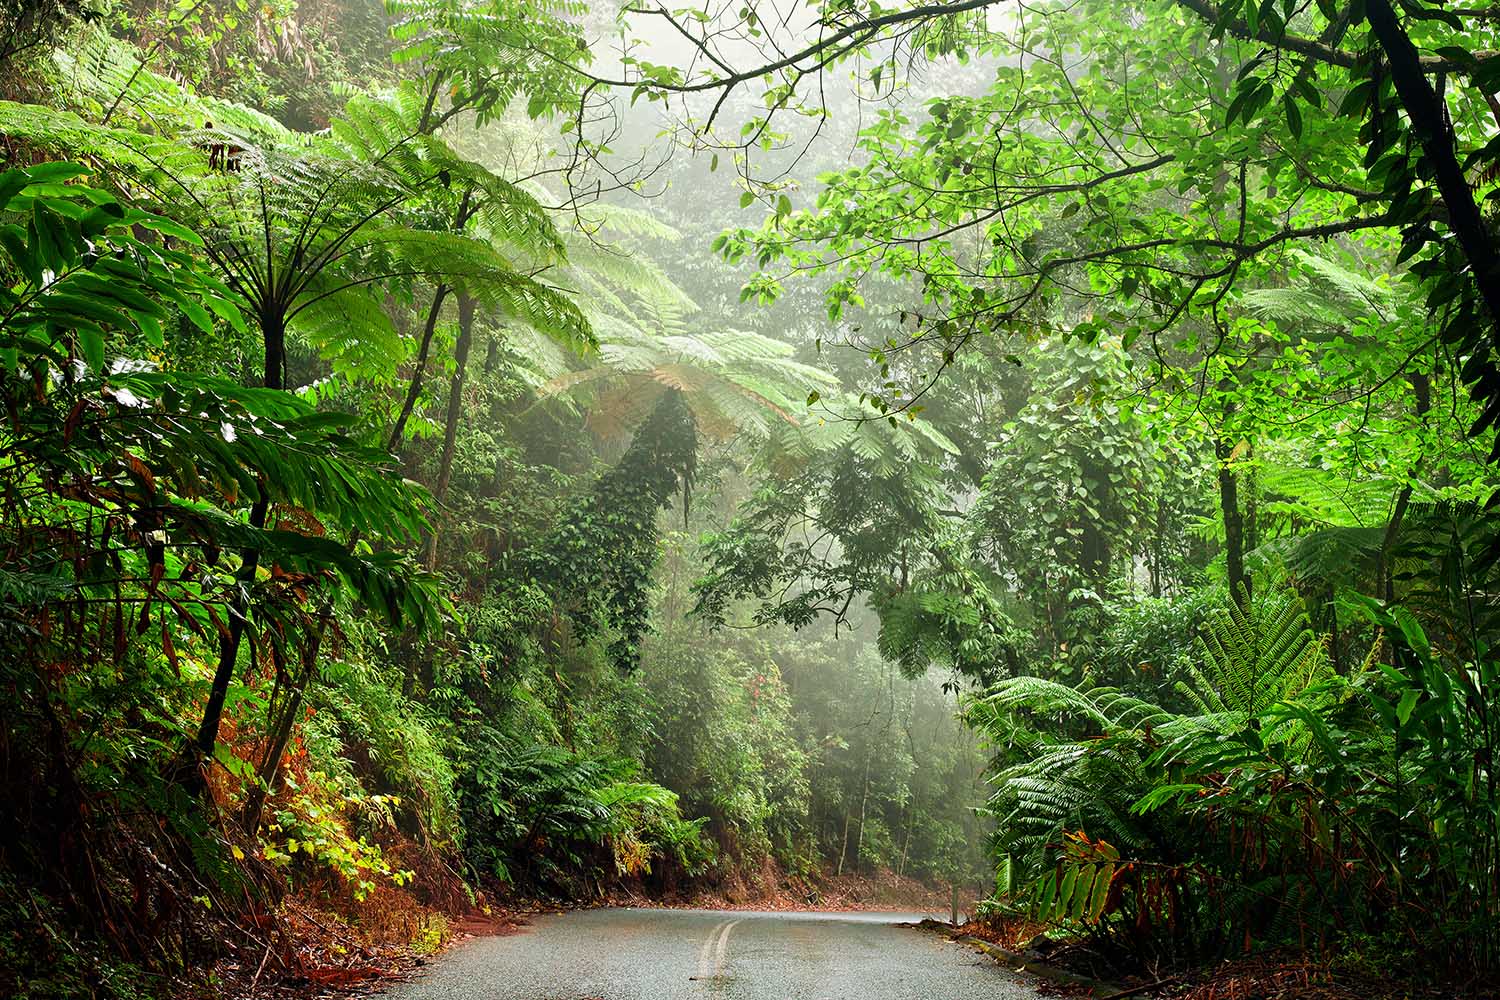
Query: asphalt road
[{"x": 715, "y": 955}]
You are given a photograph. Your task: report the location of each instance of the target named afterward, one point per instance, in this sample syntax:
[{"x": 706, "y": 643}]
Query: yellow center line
[
  {"x": 721, "y": 953},
  {"x": 706, "y": 952}
]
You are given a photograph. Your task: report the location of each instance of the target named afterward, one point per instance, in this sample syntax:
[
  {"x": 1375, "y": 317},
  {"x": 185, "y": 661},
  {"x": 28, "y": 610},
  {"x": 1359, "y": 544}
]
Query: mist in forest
[{"x": 464, "y": 459}]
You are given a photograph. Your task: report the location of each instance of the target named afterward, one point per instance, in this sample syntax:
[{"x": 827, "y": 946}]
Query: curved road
[{"x": 715, "y": 955}]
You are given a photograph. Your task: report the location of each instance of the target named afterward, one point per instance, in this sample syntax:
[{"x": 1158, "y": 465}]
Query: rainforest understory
[{"x": 460, "y": 458}]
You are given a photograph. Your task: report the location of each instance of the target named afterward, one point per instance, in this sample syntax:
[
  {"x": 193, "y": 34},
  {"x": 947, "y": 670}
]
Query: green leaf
[
  {"x": 56, "y": 171},
  {"x": 1293, "y": 115},
  {"x": 169, "y": 228},
  {"x": 18, "y": 246},
  {"x": 91, "y": 345},
  {"x": 91, "y": 307},
  {"x": 99, "y": 218},
  {"x": 50, "y": 237},
  {"x": 1240, "y": 106},
  {"x": 11, "y": 182},
  {"x": 198, "y": 315},
  {"x": 1408, "y": 702}
]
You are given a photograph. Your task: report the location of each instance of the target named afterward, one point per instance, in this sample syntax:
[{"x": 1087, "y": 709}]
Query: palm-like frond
[
  {"x": 1322, "y": 292},
  {"x": 1255, "y": 656},
  {"x": 490, "y": 53},
  {"x": 1325, "y": 497},
  {"x": 730, "y": 380},
  {"x": 306, "y": 228},
  {"x": 1104, "y": 761},
  {"x": 388, "y": 130}
]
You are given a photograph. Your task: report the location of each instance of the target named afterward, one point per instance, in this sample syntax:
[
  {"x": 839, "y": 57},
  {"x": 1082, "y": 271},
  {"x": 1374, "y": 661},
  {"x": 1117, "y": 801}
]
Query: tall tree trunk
[
  {"x": 905, "y": 841},
  {"x": 864, "y": 801},
  {"x": 414, "y": 390},
  {"x": 1421, "y": 386},
  {"x": 466, "y": 211},
  {"x": 281, "y": 727},
  {"x": 273, "y": 333},
  {"x": 1250, "y": 499},
  {"x": 466, "y": 310},
  {"x": 269, "y": 770},
  {"x": 1234, "y": 525},
  {"x": 1335, "y": 647},
  {"x": 1429, "y": 120}
]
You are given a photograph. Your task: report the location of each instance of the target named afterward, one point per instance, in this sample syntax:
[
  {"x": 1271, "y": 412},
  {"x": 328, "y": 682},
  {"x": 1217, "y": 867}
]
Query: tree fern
[
  {"x": 1254, "y": 657},
  {"x": 731, "y": 381},
  {"x": 1325, "y": 292},
  {"x": 484, "y": 55}
]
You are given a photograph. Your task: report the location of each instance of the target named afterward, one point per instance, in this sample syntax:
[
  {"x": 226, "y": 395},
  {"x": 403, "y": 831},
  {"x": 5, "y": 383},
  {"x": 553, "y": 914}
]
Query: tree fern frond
[
  {"x": 351, "y": 331},
  {"x": 622, "y": 220},
  {"x": 1253, "y": 658}
]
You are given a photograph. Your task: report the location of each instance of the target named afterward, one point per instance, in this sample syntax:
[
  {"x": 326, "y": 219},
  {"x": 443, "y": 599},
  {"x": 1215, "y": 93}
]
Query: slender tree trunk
[
  {"x": 905, "y": 842},
  {"x": 466, "y": 310},
  {"x": 864, "y": 800},
  {"x": 229, "y": 641},
  {"x": 1335, "y": 647},
  {"x": 1250, "y": 488},
  {"x": 1384, "y": 577},
  {"x": 414, "y": 391},
  {"x": 273, "y": 333},
  {"x": 281, "y": 728},
  {"x": 1421, "y": 386},
  {"x": 466, "y": 211},
  {"x": 1234, "y": 525}
]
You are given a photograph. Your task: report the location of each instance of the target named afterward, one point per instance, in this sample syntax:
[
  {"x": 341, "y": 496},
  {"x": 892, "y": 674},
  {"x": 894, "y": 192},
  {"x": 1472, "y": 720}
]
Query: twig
[
  {"x": 1134, "y": 990},
  {"x": 262, "y": 967}
]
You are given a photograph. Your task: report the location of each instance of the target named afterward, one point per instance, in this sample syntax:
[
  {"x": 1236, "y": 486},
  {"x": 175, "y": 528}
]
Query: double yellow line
[{"x": 715, "y": 952}]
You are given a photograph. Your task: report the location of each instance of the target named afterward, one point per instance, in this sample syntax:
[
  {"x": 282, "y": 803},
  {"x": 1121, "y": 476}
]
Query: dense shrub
[{"x": 1285, "y": 804}]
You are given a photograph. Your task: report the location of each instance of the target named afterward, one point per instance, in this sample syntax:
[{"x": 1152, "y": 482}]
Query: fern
[
  {"x": 730, "y": 381},
  {"x": 1323, "y": 292},
  {"x": 306, "y": 228},
  {"x": 1254, "y": 657},
  {"x": 1089, "y": 781}
]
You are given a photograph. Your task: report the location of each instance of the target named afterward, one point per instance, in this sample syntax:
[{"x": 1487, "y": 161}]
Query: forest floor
[{"x": 1074, "y": 969}]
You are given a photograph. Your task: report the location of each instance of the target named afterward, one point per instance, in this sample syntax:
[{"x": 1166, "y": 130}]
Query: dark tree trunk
[
  {"x": 466, "y": 309},
  {"x": 1422, "y": 389},
  {"x": 281, "y": 728},
  {"x": 466, "y": 211},
  {"x": 414, "y": 391},
  {"x": 273, "y": 331},
  {"x": 1429, "y": 120},
  {"x": 1234, "y": 525},
  {"x": 1250, "y": 500}
]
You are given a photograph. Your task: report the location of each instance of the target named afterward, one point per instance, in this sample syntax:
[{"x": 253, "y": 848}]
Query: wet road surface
[{"x": 628, "y": 954}]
